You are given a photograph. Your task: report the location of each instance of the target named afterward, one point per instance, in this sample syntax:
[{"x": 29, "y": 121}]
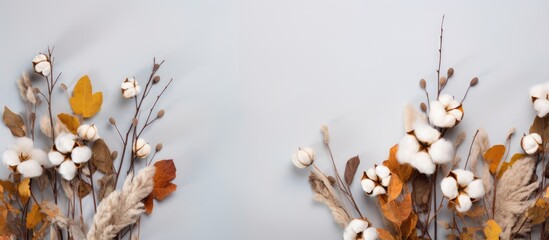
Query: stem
[
  {"x": 439, "y": 61},
  {"x": 470, "y": 148},
  {"x": 93, "y": 189},
  {"x": 435, "y": 199}
]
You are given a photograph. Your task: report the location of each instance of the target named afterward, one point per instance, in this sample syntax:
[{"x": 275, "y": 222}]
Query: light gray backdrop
[{"x": 255, "y": 79}]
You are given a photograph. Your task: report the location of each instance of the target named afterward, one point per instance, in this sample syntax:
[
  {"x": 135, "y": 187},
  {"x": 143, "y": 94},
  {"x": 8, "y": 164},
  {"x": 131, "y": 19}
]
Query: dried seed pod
[
  {"x": 112, "y": 121},
  {"x": 160, "y": 113},
  {"x": 158, "y": 147},
  {"x": 423, "y": 107},
  {"x": 36, "y": 90},
  {"x": 474, "y": 82},
  {"x": 134, "y": 122},
  {"x": 156, "y": 79},
  {"x": 450, "y": 72},
  {"x": 156, "y": 67},
  {"x": 114, "y": 155},
  {"x": 422, "y": 84},
  {"x": 63, "y": 86},
  {"x": 442, "y": 81}
]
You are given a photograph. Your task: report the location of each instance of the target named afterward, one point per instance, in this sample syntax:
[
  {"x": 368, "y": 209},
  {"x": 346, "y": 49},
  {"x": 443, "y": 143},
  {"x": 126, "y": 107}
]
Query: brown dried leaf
[
  {"x": 24, "y": 190},
  {"x": 350, "y": 169},
  {"x": 408, "y": 228},
  {"x": 14, "y": 122},
  {"x": 421, "y": 192},
  {"x": 67, "y": 188},
  {"x": 398, "y": 211},
  {"x": 34, "y": 217},
  {"x": 395, "y": 187},
  {"x": 493, "y": 157},
  {"x": 71, "y": 122},
  {"x": 404, "y": 171},
  {"x": 492, "y": 230},
  {"x": 106, "y": 186},
  {"x": 165, "y": 173},
  {"x": 101, "y": 157},
  {"x": 476, "y": 212},
  {"x": 384, "y": 234},
  {"x": 84, "y": 188}
]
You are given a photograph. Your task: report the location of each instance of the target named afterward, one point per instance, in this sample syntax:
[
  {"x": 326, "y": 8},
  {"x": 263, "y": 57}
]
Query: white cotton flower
[
  {"x": 130, "y": 88},
  {"x": 141, "y": 148},
  {"x": 423, "y": 148},
  {"x": 531, "y": 143},
  {"x": 56, "y": 157},
  {"x": 445, "y": 112},
  {"x": 462, "y": 188},
  {"x": 304, "y": 157},
  {"x": 359, "y": 229},
  {"x": 64, "y": 142},
  {"x": 88, "y": 132},
  {"x": 67, "y": 170},
  {"x": 540, "y": 94},
  {"x": 376, "y": 180},
  {"x": 41, "y": 64},
  {"x": 81, "y": 154},
  {"x": 24, "y": 158}
]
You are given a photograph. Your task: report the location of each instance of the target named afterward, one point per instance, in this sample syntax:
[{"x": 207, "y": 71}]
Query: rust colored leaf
[
  {"x": 165, "y": 173},
  {"x": 421, "y": 192},
  {"x": 71, "y": 122},
  {"x": 106, "y": 186},
  {"x": 384, "y": 234},
  {"x": 506, "y": 165},
  {"x": 14, "y": 122},
  {"x": 34, "y": 217},
  {"x": 24, "y": 190},
  {"x": 492, "y": 230},
  {"x": 101, "y": 157},
  {"x": 83, "y": 101},
  {"x": 404, "y": 171},
  {"x": 408, "y": 228},
  {"x": 395, "y": 187},
  {"x": 493, "y": 157},
  {"x": 84, "y": 188},
  {"x": 350, "y": 169},
  {"x": 398, "y": 211}
]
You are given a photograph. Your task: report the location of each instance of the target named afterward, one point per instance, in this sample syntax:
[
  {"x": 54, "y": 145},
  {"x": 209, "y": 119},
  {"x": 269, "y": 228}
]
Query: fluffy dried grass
[{"x": 324, "y": 193}]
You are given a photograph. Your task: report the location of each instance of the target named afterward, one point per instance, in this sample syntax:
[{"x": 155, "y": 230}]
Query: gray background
[{"x": 255, "y": 79}]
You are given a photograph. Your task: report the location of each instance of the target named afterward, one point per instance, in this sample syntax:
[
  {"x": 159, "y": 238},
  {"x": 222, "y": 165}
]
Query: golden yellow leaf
[
  {"x": 506, "y": 165},
  {"x": 539, "y": 212},
  {"x": 492, "y": 230},
  {"x": 547, "y": 193},
  {"x": 24, "y": 190},
  {"x": 83, "y": 102},
  {"x": 71, "y": 122},
  {"x": 395, "y": 187},
  {"x": 384, "y": 234},
  {"x": 493, "y": 157},
  {"x": 34, "y": 217}
]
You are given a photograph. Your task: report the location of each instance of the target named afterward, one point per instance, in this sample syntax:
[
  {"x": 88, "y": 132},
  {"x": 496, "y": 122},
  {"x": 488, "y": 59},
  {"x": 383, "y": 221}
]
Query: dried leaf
[
  {"x": 395, "y": 187},
  {"x": 24, "y": 190},
  {"x": 476, "y": 212},
  {"x": 101, "y": 157},
  {"x": 408, "y": 228},
  {"x": 350, "y": 169},
  {"x": 84, "y": 188},
  {"x": 106, "y": 186},
  {"x": 14, "y": 122},
  {"x": 493, "y": 157},
  {"x": 384, "y": 234},
  {"x": 398, "y": 211},
  {"x": 34, "y": 217},
  {"x": 404, "y": 171},
  {"x": 506, "y": 165},
  {"x": 165, "y": 173},
  {"x": 71, "y": 122},
  {"x": 421, "y": 192},
  {"x": 492, "y": 230},
  {"x": 539, "y": 212},
  {"x": 83, "y": 102},
  {"x": 67, "y": 188}
]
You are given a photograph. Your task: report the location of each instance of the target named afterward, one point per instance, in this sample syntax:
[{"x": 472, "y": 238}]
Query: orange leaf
[
  {"x": 493, "y": 157},
  {"x": 397, "y": 212},
  {"x": 71, "y": 122},
  {"x": 395, "y": 187},
  {"x": 404, "y": 171},
  {"x": 506, "y": 165},
  {"x": 34, "y": 217},
  {"x": 165, "y": 173},
  {"x": 384, "y": 234},
  {"x": 409, "y": 226},
  {"x": 83, "y": 102},
  {"x": 24, "y": 190}
]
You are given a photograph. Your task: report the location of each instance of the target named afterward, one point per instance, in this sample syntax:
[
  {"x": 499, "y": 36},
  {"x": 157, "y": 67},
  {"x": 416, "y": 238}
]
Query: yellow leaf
[
  {"x": 547, "y": 193},
  {"x": 506, "y": 165},
  {"x": 34, "y": 217},
  {"x": 492, "y": 230},
  {"x": 83, "y": 102},
  {"x": 24, "y": 190},
  {"x": 71, "y": 122},
  {"x": 493, "y": 157}
]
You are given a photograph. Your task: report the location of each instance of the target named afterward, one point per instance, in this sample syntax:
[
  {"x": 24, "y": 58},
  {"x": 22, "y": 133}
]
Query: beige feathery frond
[
  {"x": 480, "y": 145},
  {"x": 122, "y": 208},
  {"x": 324, "y": 193},
  {"x": 411, "y": 116},
  {"x": 513, "y": 193}
]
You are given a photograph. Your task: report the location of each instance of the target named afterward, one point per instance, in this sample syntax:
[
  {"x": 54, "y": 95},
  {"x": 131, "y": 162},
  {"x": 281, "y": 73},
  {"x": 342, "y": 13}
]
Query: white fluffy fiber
[
  {"x": 67, "y": 170},
  {"x": 464, "y": 203},
  {"x": 423, "y": 163},
  {"x": 65, "y": 142},
  {"x": 30, "y": 169},
  {"x": 449, "y": 187},
  {"x": 471, "y": 189},
  {"x": 81, "y": 154},
  {"x": 475, "y": 189},
  {"x": 367, "y": 185},
  {"x": 357, "y": 226},
  {"x": 442, "y": 151},
  {"x": 25, "y": 158},
  {"x": 540, "y": 93},
  {"x": 425, "y": 133},
  {"x": 445, "y": 112},
  {"x": 375, "y": 180},
  {"x": 304, "y": 157},
  {"x": 531, "y": 143},
  {"x": 463, "y": 177}
]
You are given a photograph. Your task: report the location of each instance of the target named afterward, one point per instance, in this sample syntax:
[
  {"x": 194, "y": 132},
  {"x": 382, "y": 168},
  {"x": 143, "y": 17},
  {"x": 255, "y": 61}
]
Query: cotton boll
[
  {"x": 65, "y": 142},
  {"x": 407, "y": 148},
  {"x": 355, "y": 227},
  {"x": 463, "y": 177},
  {"x": 371, "y": 173},
  {"x": 81, "y": 154},
  {"x": 302, "y": 158},
  {"x": 439, "y": 117},
  {"x": 539, "y": 91},
  {"x": 378, "y": 190},
  {"x": 130, "y": 88},
  {"x": 30, "y": 169},
  {"x": 449, "y": 187},
  {"x": 11, "y": 158},
  {"x": 456, "y": 114},
  {"x": 475, "y": 189},
  {"x": 382, "y": 171},
  {"x": 531, "y": 143},
  {"x": 442, "y": 151},
  {"x": 40, "y": 156},
  {"x": 41, "y": 64},
  {"x": 367, "y": 185},
  {"x": 23, "y": 145},
  {"x": 88, "y": 132},
  {"x": 67, "y": 169},
  {"x": 425, "y": 133},
  {"x": 445, "y": 99},
  {"x": 370, "y": 234},
  {"x": 541, "y": 105},
  {"x": 56, "y": 158},
  {"x": 423, "y": 163},
  {"x": 385, "y": 181},
  {"x": 464, "y": 203}
]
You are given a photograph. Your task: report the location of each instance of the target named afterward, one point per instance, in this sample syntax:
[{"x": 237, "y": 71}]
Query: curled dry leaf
[
  {"x": 14, "y": 122},
  {"x": 24, "y": 190},
  {"x": 71, "y": 122},
  {"x": 67, "y": 188},
  {"x": 350, "y": 169},
  {"x": 163, "y": 187},
  {"x": 83, "y": 101},
  {"x": 106, "y": 185},
  {"x": 101, "y": 157},
  {"x": 493, "y": 157},
  {"x": 404, "y": 171},
  {"x": 492, "y": 230},
  {"x": 84, "y": 188}
]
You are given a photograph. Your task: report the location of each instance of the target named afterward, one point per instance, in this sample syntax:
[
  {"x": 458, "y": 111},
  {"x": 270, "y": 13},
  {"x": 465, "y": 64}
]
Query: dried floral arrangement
[
  {"x": 492, "y": 195},
  {"x": 64, "y": 165}
]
